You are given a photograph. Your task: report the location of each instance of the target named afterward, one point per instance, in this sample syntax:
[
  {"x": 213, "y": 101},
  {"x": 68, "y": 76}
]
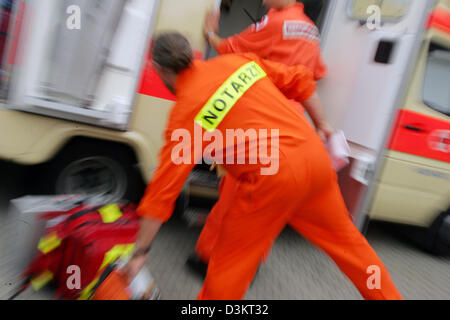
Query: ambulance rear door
[
  {"x": 369, "y": 47},
  {"x": 79, "y": 60},
  {"x": 414, "y": 185}
]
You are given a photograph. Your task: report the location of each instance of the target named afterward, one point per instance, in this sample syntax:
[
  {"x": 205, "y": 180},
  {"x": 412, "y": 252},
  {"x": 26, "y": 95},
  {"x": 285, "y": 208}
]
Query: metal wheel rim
[{"x": 93, "y": 176}]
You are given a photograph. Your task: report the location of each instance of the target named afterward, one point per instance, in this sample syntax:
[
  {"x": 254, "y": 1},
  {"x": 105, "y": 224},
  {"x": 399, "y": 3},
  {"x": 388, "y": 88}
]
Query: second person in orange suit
[
  {"x": 297, "y": 187},
  {"x": 284, "y": 35}
]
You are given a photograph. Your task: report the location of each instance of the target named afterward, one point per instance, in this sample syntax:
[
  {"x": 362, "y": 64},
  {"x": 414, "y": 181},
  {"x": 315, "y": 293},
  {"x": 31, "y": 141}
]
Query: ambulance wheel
[
  {"x": 439, "y": 234},
  {"x": 96, "y": 168}
]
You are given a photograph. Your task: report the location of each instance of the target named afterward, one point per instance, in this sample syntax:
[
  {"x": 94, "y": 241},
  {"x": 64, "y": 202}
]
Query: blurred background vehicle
[{"x": 85, "y": 108}]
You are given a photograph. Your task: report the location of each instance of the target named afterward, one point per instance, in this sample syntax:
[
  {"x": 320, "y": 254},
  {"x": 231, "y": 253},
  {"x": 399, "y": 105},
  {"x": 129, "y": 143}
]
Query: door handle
[
  {"x": 415, "y": 128},
  {"x": 385, "y": 51}
]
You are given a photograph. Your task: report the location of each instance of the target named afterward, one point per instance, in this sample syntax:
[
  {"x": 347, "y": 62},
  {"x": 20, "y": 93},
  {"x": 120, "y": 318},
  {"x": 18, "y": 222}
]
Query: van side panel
[
  {"x": 30, "y": 139},
  {"x": 414, "y": 186}
]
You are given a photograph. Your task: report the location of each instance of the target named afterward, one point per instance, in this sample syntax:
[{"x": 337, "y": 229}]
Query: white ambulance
[{"x": 83, "y": 103}]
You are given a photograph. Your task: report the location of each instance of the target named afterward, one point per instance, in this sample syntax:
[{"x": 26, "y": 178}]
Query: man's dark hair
[{"x": 172, "y": 50}]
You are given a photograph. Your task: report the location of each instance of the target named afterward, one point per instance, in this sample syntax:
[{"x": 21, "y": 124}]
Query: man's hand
[
  {"x": 325, "y": 131},
  {"x": 221, "y": 172},
  {"x": 147, "y": 232},
  {"x": 211, "y": 22},
  {"x": 132, "y": 268}
]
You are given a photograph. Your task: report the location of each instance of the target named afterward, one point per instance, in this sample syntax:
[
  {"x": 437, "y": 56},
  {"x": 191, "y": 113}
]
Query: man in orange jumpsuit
[
  {"x": 243, "y": 92},
  {"x": 284, "y": 35}
]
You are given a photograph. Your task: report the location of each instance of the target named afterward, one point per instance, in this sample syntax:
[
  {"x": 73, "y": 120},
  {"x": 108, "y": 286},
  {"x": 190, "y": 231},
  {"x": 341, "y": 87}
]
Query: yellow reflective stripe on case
[
  {"x": 218, "y": 106},
  {"x": 87, "y": 292},
  {"x": 118, "y": 251},
  {"x": 41, "y": 280},
  {"x": 110, "y": 213},
  {"x": 49, "y": 243}
]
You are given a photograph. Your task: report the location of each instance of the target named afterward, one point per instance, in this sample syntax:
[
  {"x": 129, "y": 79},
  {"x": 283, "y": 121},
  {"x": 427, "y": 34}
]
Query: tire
[
  {"x": 95, "y": 168},
  {"x": 439, "y": 234}
]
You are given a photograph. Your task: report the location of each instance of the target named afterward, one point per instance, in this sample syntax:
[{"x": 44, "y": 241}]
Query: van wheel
[
  {"x": 439, "y": 233},
  {"x": 105, "y": 170}
]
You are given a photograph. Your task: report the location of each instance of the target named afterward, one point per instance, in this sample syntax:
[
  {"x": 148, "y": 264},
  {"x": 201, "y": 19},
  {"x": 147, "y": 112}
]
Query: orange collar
[{"x": 184, "y": 75}]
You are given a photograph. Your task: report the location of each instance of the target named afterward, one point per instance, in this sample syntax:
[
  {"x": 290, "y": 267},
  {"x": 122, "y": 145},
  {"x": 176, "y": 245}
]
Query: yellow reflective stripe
[
  {"x": 228, "y": 95},
  {"x": 86, "y": 293},
  {"x": 41, "y": 280},
  {"x": 110, "y": 213},
  {"x": 118, "y": 251},
  {"x": 49, "y": 243}
]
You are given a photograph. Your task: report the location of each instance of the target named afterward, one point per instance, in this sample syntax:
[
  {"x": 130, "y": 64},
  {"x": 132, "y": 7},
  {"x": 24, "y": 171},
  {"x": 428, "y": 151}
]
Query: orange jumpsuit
[
  {"x": 304, "y": 193},
  {"x": 287, "y": 36}
]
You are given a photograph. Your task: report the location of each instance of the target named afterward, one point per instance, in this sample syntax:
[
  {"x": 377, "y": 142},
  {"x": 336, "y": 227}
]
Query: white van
[{"x": 387, "y": 89}]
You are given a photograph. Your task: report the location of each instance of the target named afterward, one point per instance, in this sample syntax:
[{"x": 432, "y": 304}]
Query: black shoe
[{"x": 197, "y": 265}]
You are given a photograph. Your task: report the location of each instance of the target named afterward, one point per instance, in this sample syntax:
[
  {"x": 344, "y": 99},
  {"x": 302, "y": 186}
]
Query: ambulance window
[
  {"x": 391, "y": 10},
  {"x": 436, "y": 90}
]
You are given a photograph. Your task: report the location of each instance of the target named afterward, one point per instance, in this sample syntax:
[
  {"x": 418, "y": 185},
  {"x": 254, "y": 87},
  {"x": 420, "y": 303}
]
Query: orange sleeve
[
  {"x": 321, "y": 68},
  {"x": 296, "y": 82},
  {"x": 160, "y": 196},
  {"x": 257, "y": 38}
]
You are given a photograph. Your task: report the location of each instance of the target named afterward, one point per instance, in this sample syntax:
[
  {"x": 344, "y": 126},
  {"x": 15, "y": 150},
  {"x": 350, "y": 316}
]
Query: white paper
[{"x": 339, "y": 150}]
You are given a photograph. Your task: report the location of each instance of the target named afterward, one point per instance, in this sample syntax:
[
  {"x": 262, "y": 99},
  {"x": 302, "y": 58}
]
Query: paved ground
[{"x": 295, "y": 270}]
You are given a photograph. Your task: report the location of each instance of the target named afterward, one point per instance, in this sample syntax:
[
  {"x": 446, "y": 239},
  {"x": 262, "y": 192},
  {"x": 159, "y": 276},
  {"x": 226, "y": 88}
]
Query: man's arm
[
  {"x": 315, "y": 110},
  {"x": 210, "y": 28},
  {"x": 297, "y": 83},
  {"x": 147, "y": 232},
  {"x": 257, "y": 38},
  {"x": 157, "y": 205},
  {"x": 213, "y": 39}
]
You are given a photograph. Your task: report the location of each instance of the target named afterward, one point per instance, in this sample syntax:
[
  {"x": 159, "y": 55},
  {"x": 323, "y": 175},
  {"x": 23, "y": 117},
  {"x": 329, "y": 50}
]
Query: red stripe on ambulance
[{"x": 421, "y": 135}]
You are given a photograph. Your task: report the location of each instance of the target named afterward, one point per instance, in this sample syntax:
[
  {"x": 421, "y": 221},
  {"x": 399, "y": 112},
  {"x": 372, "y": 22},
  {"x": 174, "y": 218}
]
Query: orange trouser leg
[
  {"x": 245, "y": 236},
  {"x": 325, "y": 222},
  {"x": 305, "y": 194},
  {"x": 237, "y": 255},
  {"x": 248, "y": 229},
  {"x": 210, "y": 232}
]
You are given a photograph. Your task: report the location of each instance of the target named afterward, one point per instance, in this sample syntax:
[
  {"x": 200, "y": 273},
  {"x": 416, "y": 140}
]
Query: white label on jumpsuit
[{"x": 297, "y": 29}]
